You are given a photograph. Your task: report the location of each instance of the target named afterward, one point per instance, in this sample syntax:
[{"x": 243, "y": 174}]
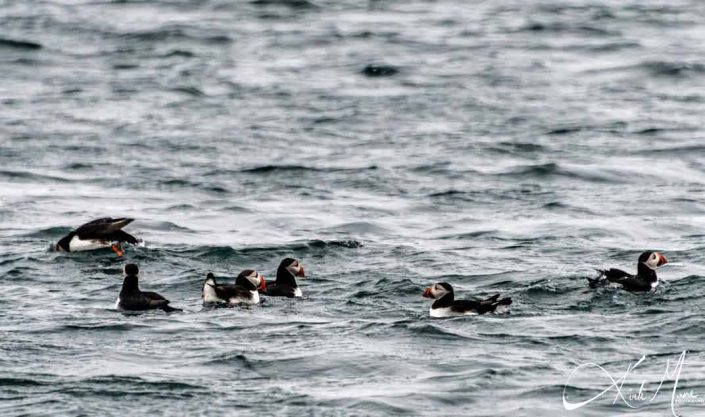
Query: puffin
[
  {"x": 245, "y": 290},
  {"x": 97, "y": 234},
  {"x": 286, "y": 285},
  {"x": 644, "y": 280},
  {"x": 447, "y": 306},
  {"x": 132, "y": 299}
]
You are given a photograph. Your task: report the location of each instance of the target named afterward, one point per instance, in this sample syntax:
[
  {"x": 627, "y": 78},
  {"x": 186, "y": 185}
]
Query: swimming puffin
[
  {"x": 244, "y": 291},
  {"x": 446, "y": 306},
  {"x": 132, "y": 299},
  {"x": 286, "y": 285},
  {"x": 644, "y": 280},
  {"x": 97, "y": 234}
]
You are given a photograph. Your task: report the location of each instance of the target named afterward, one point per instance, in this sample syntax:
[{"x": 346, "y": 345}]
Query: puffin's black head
[
  {"x": 438, "y": 290},
  {"x": 652, "y": 259},
  {"x": 293, "y": 266},
  {"x": 251, "y": 279},
  {"x": 210, "y": 279},
  {"x": 132, "y": 269}
]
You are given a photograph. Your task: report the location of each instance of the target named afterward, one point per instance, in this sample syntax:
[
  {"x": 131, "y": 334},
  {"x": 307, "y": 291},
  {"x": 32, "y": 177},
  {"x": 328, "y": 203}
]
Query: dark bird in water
[
  {"x": 447, "y": 306},
  {"x": 245, "y": 290},
  {"x": 132, "y": 299},
  {"x": 97, "y": 234},
  {"x": 286, "y": 285},
  {"x": 644, "y": 280}
]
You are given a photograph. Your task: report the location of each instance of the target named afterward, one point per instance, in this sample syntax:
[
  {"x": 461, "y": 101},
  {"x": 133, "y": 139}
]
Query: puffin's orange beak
[
  {"x": 117, "y": 249},
  {"x": 427, "y": 293},
  {"x": 301, "y": 272},
  {"x": 263, "y": 284},
  {"x": 661, "y": 260}
]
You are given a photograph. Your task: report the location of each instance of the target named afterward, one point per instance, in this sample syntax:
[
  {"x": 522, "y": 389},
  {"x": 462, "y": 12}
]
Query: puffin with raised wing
[
  {"x": 447, "y": 306},
  {"x": 97, "y": 234},
  {"x": 644, "y": 280}
]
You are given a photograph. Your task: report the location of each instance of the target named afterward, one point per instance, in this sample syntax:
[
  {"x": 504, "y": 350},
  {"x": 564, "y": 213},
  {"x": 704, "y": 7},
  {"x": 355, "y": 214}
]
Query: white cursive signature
[{"x": 617, "y": 384}]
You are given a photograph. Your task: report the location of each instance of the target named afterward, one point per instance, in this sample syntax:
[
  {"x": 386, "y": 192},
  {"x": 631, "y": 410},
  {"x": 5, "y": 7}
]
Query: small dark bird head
[
  {"x": 210, "y": 280},
  {"x": 652, "y": 259},
  {"x": 438, "y": 290},
  {"x": 251, "y": 279},
  {"x": 132, "y": 269},
  {"x": 293, "y": 266}
]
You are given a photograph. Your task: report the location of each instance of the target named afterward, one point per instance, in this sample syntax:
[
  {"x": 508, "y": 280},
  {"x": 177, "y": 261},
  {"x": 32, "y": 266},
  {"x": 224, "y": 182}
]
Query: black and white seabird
[
  {"x": 644, "y": 280},
  {"x": 286, "y": 285},
  {"x": 244, "y": 291},
  {"x": 97, "y": 234},
  {"x": 132, "y": 299},
  {"x": 447, "y": 306}
]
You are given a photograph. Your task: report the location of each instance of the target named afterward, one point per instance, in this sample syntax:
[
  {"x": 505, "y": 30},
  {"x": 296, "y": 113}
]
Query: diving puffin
[
  {"x": 446, "y": 305},
  {"x": 644, "y": 280},
  {"x": 97, "y": 234},
  {"x": 286, "y": 285},
  {"x": 245, "y": 290},
  {"x": 132, "y": 299}
]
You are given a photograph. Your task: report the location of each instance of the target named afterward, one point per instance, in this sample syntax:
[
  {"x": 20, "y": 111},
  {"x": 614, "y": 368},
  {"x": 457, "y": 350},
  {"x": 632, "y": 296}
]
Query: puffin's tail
[
  {"x": 498, "y": 305},
  {"x": 504, "y": 301},
  {"x": 599, "y": 280}
]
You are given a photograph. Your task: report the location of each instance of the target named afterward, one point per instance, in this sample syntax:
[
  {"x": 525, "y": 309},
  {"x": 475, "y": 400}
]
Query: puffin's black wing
[
  {"x": 158, "y": 301},
  {"x": 615, "y": 275},
  {"x": 102, "y": 228},
  {"x": 226, "y": 291},
  {"x": 279, "y": 291},
  {"x": 141, "y": 302},
  {"x": 463, "y": 306},
  {"x": 633, "y": 283},
  {"x": 153, "y": 295},
  {"x": 606, "y": 276},
  {"x": 628, "y": 281},
  {"x": 489, "y": 305}
]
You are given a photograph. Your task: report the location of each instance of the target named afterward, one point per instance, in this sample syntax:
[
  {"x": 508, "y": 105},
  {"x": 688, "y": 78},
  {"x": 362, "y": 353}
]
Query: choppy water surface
[{"x": 503, "y": 146}]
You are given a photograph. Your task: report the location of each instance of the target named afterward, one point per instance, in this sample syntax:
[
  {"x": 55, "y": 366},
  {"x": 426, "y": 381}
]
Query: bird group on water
[{"x": 249, "y": 284}]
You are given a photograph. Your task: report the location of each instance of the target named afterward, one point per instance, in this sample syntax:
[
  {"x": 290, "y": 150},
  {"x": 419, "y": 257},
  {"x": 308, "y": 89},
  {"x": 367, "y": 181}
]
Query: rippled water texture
[{"x": 501, "y": 146}]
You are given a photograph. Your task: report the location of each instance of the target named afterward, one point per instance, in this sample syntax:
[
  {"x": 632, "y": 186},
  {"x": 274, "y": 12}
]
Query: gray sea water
[{"x": 500, "y": 146}]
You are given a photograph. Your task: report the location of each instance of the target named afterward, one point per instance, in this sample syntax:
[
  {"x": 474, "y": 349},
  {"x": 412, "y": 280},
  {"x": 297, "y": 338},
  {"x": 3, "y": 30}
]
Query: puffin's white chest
[
  {"x": 209, "y": 295},
  {"x": 447, "y": 312},
  {"x": 77, "y": 245},
  {"x": 254, "y": 299},
  {"x": 297, "y": 292}
]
